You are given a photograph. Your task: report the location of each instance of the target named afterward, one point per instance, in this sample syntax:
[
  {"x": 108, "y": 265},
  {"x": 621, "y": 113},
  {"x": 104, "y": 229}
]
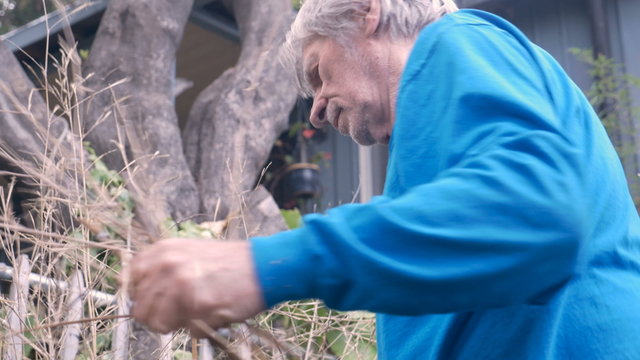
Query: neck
[{"x": 397, "y": 57}]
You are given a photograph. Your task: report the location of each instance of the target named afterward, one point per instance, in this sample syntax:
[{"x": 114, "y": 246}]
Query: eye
[{"x": 313, "y": 77}]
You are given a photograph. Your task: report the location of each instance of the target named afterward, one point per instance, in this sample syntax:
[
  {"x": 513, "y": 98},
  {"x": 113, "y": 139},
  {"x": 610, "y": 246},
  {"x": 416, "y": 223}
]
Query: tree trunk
[
  {"x": 34, "y": 141},
  {"x": 228, "y": 137},
  {"x": 235, "y": 121},
  {"x": 145, "y": 35},
  {"x": 24, "y": 115}
]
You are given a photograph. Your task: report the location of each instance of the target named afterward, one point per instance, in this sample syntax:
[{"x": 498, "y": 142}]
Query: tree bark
[
  {"x": 136, "y": 119},
  {"x": 29, "y": 130},
  {"x": 235, "y": 121},
  {"x": 229, "y": 134},
  {"x": 35, "y": 141},
  {"x": 145, "y": 35}
]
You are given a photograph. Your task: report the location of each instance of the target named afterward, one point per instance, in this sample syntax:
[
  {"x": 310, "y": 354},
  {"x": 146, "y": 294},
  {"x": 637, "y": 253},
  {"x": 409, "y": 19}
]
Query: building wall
[
  {"x": 556, "y": 26},
  {"x": 340, "y": 181},
  {"x": 625, "y": 17}
]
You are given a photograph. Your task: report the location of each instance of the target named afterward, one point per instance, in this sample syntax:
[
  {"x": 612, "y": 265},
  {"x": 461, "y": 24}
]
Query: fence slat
[
  {"x": 120, "y": 338},
  {"x": 243, "y": 344},
  {"x": 165, "y": 347},
  {"x": 45, "y": 284},
  {"x": 205, "y": 350},
  {"x": 18, "y": 296},
  {"x": 71, "y": 334}
]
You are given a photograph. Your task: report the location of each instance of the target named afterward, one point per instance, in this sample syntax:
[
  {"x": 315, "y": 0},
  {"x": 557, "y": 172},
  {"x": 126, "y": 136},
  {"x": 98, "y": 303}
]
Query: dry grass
[{"x": 79, "y": 220}]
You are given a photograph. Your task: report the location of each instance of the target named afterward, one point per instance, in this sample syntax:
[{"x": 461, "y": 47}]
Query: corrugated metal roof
[{"x": 37, "y": 29}]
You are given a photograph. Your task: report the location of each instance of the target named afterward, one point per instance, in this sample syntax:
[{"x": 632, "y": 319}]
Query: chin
[
  {"x": 364, "y": 139},
  {"x": 364, "y": 143}
]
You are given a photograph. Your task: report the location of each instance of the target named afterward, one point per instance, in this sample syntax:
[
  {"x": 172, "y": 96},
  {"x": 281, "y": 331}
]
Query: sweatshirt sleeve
[{"x": 500, "y": 223}]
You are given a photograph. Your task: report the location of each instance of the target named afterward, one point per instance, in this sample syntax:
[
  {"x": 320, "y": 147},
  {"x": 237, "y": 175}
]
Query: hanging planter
[
  {"x": 298, "y": 182},
  {"x": 293, "y": 175}
]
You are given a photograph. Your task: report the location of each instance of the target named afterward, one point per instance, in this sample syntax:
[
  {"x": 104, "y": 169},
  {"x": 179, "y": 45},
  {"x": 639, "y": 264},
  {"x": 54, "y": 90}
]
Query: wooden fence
[{"x": 22, "y": 279}]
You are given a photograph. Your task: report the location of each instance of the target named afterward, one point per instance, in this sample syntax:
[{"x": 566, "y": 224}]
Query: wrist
[{"x": 284, "y": 266}]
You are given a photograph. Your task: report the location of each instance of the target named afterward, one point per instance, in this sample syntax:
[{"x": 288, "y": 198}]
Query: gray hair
[{"x": 336, "y": 19}]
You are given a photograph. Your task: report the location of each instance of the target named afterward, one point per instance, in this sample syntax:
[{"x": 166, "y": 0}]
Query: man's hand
[{"x": 177, "y": 281}]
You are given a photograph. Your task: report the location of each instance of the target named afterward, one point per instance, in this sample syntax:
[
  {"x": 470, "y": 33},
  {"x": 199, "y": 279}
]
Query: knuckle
[
  {"x": 158, "y": 327},
  {"x": 137, "y": 312},
  {"x": 182, "y": 278}
]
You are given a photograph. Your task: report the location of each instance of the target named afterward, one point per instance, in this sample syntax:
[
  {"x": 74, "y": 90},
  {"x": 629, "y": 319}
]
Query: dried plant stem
[
  {"x": 218, "y": 340},
  {"x": 81, "y": 321},
  {"x": 45, "y": 234},
  {"x": 18, "y": 312}
]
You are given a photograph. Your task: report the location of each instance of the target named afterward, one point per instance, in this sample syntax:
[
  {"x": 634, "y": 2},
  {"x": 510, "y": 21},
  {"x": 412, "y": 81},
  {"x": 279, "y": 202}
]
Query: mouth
[{"x": 335, "y": 121}]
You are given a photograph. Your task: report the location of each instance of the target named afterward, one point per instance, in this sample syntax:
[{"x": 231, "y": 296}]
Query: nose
[{"x": 318, "y": 116}]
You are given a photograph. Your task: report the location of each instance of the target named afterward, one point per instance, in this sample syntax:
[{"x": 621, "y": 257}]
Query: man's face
[{"x": 352, "y": 88}]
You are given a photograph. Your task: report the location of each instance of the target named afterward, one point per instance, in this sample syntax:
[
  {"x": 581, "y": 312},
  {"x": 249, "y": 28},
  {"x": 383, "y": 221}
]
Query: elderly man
[{"x": 506, "y": 230}]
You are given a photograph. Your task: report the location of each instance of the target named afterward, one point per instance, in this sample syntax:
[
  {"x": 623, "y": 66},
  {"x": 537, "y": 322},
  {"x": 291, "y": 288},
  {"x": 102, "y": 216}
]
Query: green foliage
[
  {"x": 610, "y": 96},
  {"x": 347, "y": 335},
  {"x": 111, "y": 180},
  {"x": 610, "y": 92},
  {"x": 84, "y": 54},
  {"x": 296, "y": 4},
  {"x": 364, "y": 348},
  {"x": 292, "y": 218},
  {"x": 296, "y": 127},
  {"x": 182, "y": 355},
  {"x": 102, "y": 345},
  {"x": 100, "y": 171},
  {"x": 189, "y": 229},
  {"x": 320, "y": 330}
]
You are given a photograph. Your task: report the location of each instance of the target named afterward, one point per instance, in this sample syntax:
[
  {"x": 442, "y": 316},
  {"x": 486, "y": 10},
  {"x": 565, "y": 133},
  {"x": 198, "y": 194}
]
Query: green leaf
[
  {"x": 363, "y": 349},
  {"x": 84, "y": 54},
  {"x": 292, "y": 218},
  {"x": 182, "y": 355}
]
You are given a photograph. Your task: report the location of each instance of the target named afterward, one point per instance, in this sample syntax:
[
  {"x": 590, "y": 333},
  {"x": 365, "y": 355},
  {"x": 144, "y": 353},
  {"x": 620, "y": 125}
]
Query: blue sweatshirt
[{"x": 506, "y": 230}]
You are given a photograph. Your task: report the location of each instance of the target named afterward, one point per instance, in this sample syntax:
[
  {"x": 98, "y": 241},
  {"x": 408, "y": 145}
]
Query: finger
[
  {"x": 140, "y": 305},
  {"x": 145, "y": 264},
  {"x": 210, "y": 321},
  {"x": 165, "y": 314},
  {"x": 138, "y": 269},
  {"x": 159, "y": 303},
  {"x": 199, "y": 329},
  {"x": 144, "y": 295}
]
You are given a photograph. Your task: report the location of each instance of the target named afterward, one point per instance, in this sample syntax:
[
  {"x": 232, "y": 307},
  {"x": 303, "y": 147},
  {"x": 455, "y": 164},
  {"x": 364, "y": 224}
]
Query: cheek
[{"x": 371, "y": 109}]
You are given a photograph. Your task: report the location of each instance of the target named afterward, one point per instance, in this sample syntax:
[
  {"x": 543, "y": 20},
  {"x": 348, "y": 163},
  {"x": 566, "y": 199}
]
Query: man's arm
[{"x": 500, "y": 222}]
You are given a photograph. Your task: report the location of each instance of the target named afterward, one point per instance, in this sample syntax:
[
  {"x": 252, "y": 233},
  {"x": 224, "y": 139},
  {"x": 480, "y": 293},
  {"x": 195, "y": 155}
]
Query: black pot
[{"x": 298, "y": 182}]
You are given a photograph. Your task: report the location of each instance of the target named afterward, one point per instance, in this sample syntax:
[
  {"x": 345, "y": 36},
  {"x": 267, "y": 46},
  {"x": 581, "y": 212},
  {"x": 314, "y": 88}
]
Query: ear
[{"x": 372, "y": 18}]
